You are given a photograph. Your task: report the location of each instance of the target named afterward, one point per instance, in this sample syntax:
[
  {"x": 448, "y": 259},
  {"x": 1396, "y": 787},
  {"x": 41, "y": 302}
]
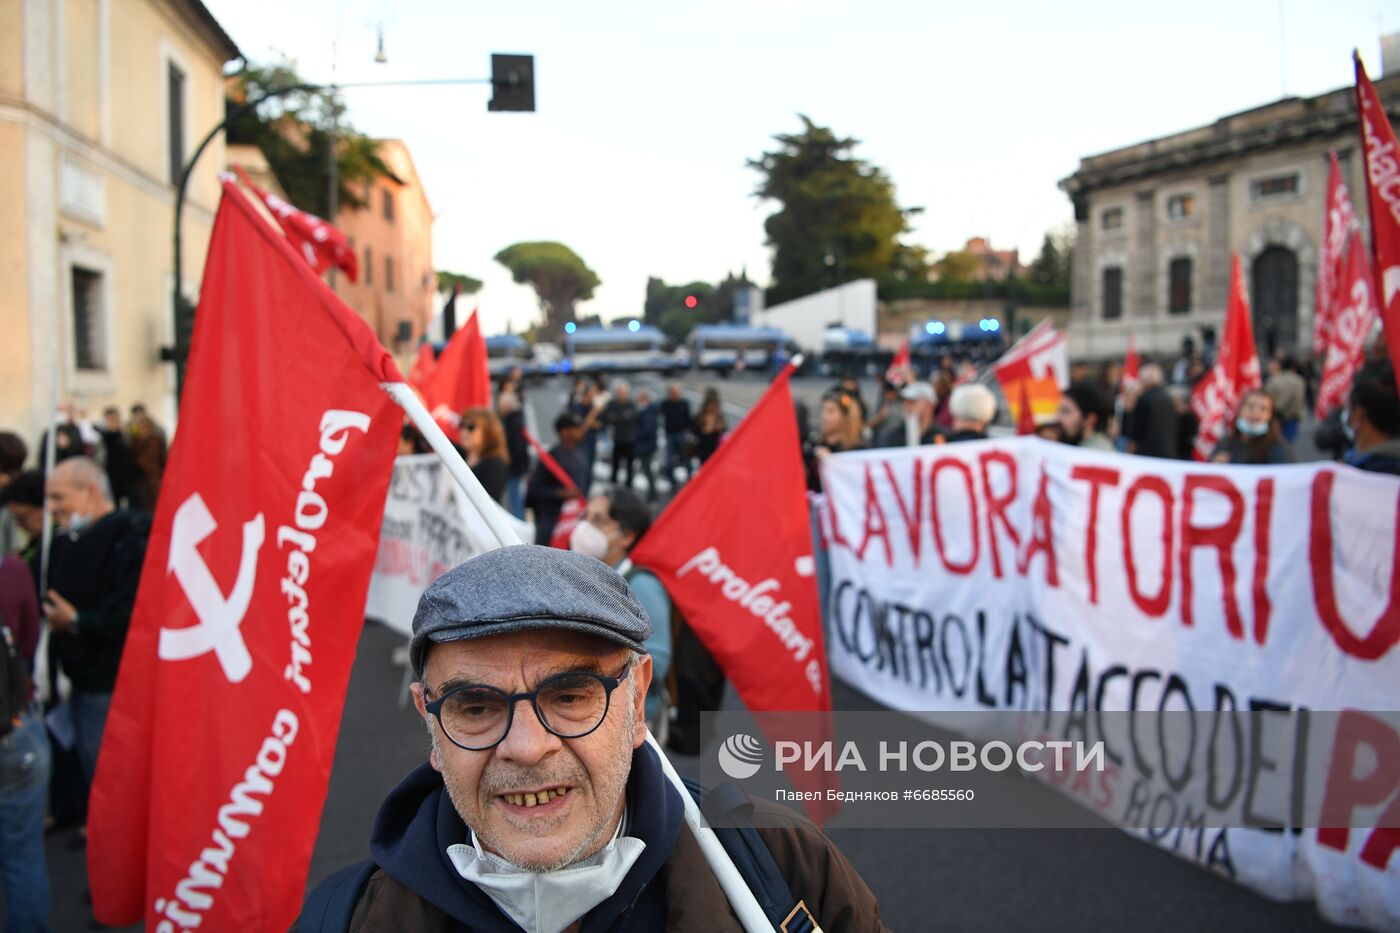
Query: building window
[
  {"x": 89, "y": 332},
  {"x": 175, "y": 118},
  {"x": 369, "y": 266},
  {"x": 1112, "y": 219},
  {"x": 388, "y": 204},
  {"x": 1181, "y": 206},
  {"x": 1179, "y": 286},
  {"x": 388, "y": 273},
  {"x": 1275, "y": 186},
  {"x": 1112, "y": 293}
]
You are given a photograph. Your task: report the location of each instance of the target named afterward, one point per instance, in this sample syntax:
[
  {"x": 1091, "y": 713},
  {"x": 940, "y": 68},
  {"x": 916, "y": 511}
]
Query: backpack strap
[
  {"x": 332, "y": 902},
  {"x": 751, "y": 857}
]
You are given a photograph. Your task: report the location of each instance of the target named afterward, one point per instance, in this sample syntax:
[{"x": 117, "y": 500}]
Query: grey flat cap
[{"x": 527, "y": 588}]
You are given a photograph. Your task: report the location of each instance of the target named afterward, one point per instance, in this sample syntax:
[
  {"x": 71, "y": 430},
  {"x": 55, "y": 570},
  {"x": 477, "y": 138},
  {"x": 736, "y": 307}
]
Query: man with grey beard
[{"x": 542, "y": 807}]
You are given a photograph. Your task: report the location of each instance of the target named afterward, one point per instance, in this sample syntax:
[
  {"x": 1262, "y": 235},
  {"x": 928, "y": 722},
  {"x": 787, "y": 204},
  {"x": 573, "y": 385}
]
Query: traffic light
[
  {"x": 691, "y": 301},
  {"x": 512, "y": 83}
]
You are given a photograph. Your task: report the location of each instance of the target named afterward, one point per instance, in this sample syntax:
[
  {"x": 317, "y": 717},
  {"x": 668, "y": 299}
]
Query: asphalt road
[{"x": 924, "y": 879}]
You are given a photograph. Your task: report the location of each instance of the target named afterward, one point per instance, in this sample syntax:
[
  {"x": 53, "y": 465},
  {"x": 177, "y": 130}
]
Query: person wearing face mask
[
  {"x": 1255, "y": 437},
  {"x": 541, "y": 806},
  {"x": 1372, "y": 420},
  {"x": 612, "y": 526},
  {"x": 95, "y": 568}
]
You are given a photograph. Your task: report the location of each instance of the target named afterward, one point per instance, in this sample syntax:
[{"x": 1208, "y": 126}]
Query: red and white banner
[
  {"x": 219, "y": 743},
  {"x": 319, "y": 243},
  {"x": 1382, "y": 160},
  {"x": 1236, "y": 371},
  {"x": 1338, "y": 223},
  {"x": 1354, "y": 316},
  {"x": 429, "y": 527},
  {"x": 461, "y": 379},
  {"x": 1019, "y": 574}
]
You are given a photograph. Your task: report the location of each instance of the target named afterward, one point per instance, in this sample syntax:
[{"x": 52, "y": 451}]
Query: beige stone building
[
  {"x": 1158, "y": 221},
  {"x": 392, "y": 235},
  {"x": 101, "y": 103}
]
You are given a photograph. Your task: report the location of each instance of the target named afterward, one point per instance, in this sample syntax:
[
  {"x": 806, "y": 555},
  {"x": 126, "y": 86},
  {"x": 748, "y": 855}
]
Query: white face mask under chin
[
  {"x": 586, "y": 538},
  {"x": 547, "y": 902}
]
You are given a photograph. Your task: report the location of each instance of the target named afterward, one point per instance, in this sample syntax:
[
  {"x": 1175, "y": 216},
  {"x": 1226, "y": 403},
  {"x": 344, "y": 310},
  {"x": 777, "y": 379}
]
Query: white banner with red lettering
[
  {"x": 429, "y": 528},
  {"x": 1020, "y": 574}
]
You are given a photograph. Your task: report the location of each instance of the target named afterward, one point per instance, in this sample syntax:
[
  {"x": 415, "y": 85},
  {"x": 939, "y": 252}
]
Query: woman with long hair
[
  {"x": 1256, "y": 436},
  {"x": 484, "y": 443},
  {"x": 839, "y": 428},
  {"x": 709, "y": 425}
]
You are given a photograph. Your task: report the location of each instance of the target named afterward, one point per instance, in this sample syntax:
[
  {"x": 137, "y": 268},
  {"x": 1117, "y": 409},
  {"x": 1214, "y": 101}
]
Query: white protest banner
[
  {"x": 429, "y": 528},
  {"x": 1024, "y": 575}
]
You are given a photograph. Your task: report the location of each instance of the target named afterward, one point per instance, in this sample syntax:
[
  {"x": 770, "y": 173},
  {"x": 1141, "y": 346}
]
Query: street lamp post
[{"x": 507, "y": 86}]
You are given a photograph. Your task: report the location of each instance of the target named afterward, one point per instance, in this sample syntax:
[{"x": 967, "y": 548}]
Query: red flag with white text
[
  {"x": 1338, "y": 224},
  {"x": 1236, "y": 371},
  {"x": 1354, "y": 317},
  {"x": 1382, "y": 161},
  {"x": 319, "y": 243},
  {"x": 462, "y": 378},
  {"x": 734, "y": 551},
  {"x": 222, "y": 730},
  {"x": 899, "y": 371}
]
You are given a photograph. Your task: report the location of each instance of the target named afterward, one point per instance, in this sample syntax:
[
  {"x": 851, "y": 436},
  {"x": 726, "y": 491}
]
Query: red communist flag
[
  {"x": 1338, "y": 224},
  {"x": 462, "y": 378},
  {"x": 319, "y": 243},
  {"x": 1235, "y": 372},
  {"x": 734, "y": 551},
  {"x": 218, "y": 746},
  {"x": 1354, "y": 316},
  {"x": 1383, "y": 189}
]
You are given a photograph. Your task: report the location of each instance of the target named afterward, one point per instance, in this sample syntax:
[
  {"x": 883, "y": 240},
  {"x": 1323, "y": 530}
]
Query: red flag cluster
[
  {"x": 222, "y": 730},
  {"x": 1235, "y": 372}
]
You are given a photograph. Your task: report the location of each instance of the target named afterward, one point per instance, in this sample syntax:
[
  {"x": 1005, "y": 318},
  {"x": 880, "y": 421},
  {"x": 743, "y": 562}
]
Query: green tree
[
  {"x": 957, "y": 266},
  {"x": 293, "y": 132},
  {"x": 838, "y": 220},
  {"x": 1052, "y": 266},
  {"x": 464, "y": 284},
  {"x": 560, "y": 279}
]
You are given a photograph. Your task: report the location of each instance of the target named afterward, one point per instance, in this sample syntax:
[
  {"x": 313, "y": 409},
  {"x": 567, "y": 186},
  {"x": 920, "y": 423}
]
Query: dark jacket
[
  {"x": 98, "y": 571},
  {"x": 670, "y": 887},
  {"x": 546, "y": 495},
  {"x": 1237, "y": 449},
  {"x": 621, "y": 418},
  {"x": 493, "y": 473},
  {"x": 1152, "y": 426},
  {"x": 1383, "y": 458},
  {"x": 516, "y": 445},
  {"x": 648, "y": 423},
  {"x": 675, "y": 414}
]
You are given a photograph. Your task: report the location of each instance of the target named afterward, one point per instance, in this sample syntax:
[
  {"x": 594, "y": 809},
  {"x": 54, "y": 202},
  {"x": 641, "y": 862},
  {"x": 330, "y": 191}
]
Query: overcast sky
[{"x": 647, "y": 111}]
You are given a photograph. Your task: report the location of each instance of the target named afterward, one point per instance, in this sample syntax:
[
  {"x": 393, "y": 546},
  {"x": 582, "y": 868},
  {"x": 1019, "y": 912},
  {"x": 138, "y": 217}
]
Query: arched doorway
[{"x": 1274, "y": 300}]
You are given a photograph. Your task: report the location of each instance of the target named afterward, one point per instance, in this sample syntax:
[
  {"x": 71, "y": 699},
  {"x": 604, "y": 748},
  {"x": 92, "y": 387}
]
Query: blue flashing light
[
  {"x": 634, "y": 326},
  {"x": 570, "y": 327},
  {"x": 982, "y": 325},
  {"x": 935, "y": 327},
  {"x": 993, "y": 325}
]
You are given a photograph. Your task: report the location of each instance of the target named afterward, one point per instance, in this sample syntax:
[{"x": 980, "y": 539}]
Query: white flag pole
[
  {"x": 485, "y": 506},
  {"x": 751, "y": 915}
]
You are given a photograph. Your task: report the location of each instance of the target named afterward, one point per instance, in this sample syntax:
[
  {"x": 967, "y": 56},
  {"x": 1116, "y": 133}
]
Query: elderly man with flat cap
[{"x": 542, "y": 807}]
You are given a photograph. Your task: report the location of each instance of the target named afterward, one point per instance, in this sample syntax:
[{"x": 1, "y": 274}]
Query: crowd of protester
[{"x": 66, "y": 612}]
